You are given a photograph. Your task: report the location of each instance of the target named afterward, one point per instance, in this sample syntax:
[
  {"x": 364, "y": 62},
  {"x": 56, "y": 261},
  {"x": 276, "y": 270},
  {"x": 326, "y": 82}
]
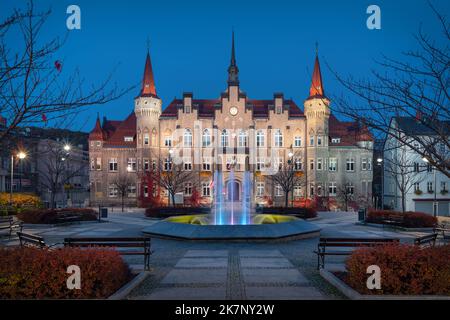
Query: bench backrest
[
  {"x": 27, "y": 239},
  {"x": 136, "y": 242},
  {"x": 429, "y": 238},
  {"x": 6, "y": 220},
  {"x": 355, "y": 242}
]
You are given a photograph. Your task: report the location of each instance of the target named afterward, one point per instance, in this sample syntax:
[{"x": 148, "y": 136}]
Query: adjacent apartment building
[{"x": 232, "y": 132}]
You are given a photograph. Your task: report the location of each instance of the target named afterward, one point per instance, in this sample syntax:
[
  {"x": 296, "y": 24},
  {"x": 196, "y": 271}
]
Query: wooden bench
[
  {"x": 141, "y": 244},
  {"x": 8, "y": 223},
  {"x": 428, "y": 240},
  {"x": 31, "y": 240},
  {"x": 443, "y": 230},
  {"x": 325, "y": 243}
]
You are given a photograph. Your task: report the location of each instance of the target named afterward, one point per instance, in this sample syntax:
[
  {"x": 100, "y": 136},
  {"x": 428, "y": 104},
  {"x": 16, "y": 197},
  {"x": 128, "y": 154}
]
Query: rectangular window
[
  {"x": 297, "y": 142},
  {"x": 336, "y": 140},
  {"x": 311, "y": 164},
  {"x": 332, "y": 189},
  {"x": 128, "y": 139},
  {"x": 206, "y": 165},
  {"x": 369, "y": 164},
  {"x": 146, "y": 139},
  {"x": 259, "y": 163},
  {"x": 444, "y": 186},
  {"x": 319, "y": 190},
  {"x": 417, "y": 186},
  {"x": 260, "y": 189},
  {"x": 168, "y": 141},
  {"x": 350, "y": 164},
  {"x": 319, "y": 140},
  {"x": 311, "y": 141},
  {"x": 319, "y": 164},
  {"x": 278, "y": 191},
  {"x": 92, "y": 164},
  {"x": 332, "y": 164},
  {"x": 416, "y": 167},
  {"x": 260, "y": 139},
  {"x": 297, "y": 191},
  {"x": 187, "y": 164},
  {"x": 430, "y": 187},
  {"x": 429, "y": 168},
  {"x": 364, "y": 164},
  {"x": 350, "y": 189},
  {"x": 113, "y": 164},
  {"x": 146, "y": 165},
  {"x": 131, "y": 165},
  {"x": 131, "y": 190},
  {"x": 113, "y": 191},
  {"x": 188, "y": 189},
  {"x": 311, "y": 189},
  {"x": 167, "y": 164},
  {"x": 206, "y": 191},
  {"x": 298, "y": 165}
]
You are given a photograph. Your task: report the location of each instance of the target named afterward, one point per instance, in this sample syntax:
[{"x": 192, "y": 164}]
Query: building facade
[
  {"x": 232, "y": 134},
  {"x": 409, "y": 180}
]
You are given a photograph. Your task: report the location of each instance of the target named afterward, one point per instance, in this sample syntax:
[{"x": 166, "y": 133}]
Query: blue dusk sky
[{"x": 190, "y": 43}]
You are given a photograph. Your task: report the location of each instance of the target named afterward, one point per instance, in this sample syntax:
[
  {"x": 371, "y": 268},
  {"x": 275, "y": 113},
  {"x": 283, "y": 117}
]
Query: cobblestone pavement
[{"x": 221, "y": 270}]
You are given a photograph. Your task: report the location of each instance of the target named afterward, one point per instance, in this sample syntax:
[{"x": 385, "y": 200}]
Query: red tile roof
[
  {"x": 148, "y": 83},
  {"x": 126, "y": 128},
  {"x": 349, "y": 133},
  {"x": 206, "y": 107},
  {"x": 97, "y": 133}
]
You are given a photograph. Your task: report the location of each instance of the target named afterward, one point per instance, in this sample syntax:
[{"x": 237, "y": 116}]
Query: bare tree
[
  {"x": 122, "y": 183},
  {"x": 415, "y": 86},
  {"x": 288, "y": 176},
  {"x": 56, "y": 167},
  {"x": 399, "y": 165},
  {"x": 345, "y": 192},
  {"x": 34, "y": 87},
  {"x": 172, "y": 177}
]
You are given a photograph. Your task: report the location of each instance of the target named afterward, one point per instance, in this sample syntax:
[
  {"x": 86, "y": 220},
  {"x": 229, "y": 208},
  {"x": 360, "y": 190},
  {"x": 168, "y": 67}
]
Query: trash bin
[
  {"x": 362, "y": 214},
  {"x": 104, "y": 212}
]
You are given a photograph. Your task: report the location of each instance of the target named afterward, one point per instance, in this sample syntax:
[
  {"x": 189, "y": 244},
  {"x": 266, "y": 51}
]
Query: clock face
[{"x": 233, "y": 111}]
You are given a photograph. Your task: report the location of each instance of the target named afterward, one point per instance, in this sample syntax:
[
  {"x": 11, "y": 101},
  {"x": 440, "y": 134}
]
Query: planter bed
[
  {"x": 380, "y": 225},
  {"x": 335, "y": 278}
]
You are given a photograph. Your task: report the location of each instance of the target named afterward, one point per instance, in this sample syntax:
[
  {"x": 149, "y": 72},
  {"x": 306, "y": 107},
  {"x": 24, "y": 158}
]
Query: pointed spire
[
  {"x": 233, "y": 70},
  {"x": 148, "y": 83},
  {"x": 316, "y": 89},
  {"x": 97, "y": 133}
]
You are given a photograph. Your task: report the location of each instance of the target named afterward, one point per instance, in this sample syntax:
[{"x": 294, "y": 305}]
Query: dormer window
[
  {"x": 128, "y": 139},
  {"x": 335, "y": 140},
  {"x": 279, "y": 109},
  {"x": 187, "y": 109}
]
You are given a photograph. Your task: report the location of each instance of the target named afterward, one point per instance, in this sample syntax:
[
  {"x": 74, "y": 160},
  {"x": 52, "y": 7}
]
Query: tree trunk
[
  {"x": 403, "y": 202},
  {"x": 172, "y": 195},
  {"x": 123, "y": 198},
  {"x": 52, "y": 200},
  {"x": 286, "y": 199}
]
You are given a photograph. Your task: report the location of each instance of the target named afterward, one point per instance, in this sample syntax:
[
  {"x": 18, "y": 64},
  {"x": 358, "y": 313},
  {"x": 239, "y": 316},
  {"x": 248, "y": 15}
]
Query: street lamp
[
  {"x": 67, "y": 147},
  {"x": 21, "y": 155},
  {"x": 290, "y": 155},
  {"x": 381, "y": 163},
  {"x": 424, "y": 159}
]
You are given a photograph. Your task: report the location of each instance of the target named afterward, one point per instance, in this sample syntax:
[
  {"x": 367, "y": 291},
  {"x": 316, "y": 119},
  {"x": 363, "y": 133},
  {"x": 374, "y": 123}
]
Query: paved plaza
[{"x": 225, "y": 270}]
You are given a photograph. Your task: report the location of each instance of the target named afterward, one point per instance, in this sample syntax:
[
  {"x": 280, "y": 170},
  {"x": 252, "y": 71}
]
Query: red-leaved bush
[
  {"x": 405, "y": 269},
  {"x": 29, "y": 273},
  {"x": 408, "y": 219},
  {"x": 54, "y": 216}
]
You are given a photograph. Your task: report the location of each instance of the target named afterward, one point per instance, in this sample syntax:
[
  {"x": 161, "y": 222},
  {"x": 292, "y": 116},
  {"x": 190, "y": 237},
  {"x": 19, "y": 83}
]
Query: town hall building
[{"x": 231, "y": 134}]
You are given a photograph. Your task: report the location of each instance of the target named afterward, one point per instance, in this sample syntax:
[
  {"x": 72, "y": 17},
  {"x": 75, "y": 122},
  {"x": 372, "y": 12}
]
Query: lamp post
[
  {"x": 21, "y": 155},
  {"x": 290, "y": 155},
  {"x": 381, "y": 163},
  {"x": 434, "y": 187}
]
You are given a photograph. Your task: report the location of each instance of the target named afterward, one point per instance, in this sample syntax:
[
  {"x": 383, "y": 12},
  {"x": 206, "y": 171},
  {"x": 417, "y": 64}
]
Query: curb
[
  {"x": 382, "y": 226},
  {"x": 127, "y": 288},
  {"x": 354, "y": 295},
  {"x": 44, "y": 225}
]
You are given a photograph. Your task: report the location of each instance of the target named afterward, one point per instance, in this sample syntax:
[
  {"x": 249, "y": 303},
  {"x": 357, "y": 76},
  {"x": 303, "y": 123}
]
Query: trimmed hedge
[
  {"x": 405, "y": 269},
  {"x": 407, "y": 219},
  {"x": 303, "y": 213},
  {"x": 165, "y": 212},
  {"x": 54, "y": 216},
  {"x": 29, "y": 273},
  {"x": 20, "y": 200}
]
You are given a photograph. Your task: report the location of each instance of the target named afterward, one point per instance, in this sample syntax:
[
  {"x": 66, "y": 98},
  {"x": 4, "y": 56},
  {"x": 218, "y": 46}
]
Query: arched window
[
  {"x": 224, "y": 138},
  {"x": 278, "y": 138},
  {"x": 206, "y": 138},
  {"x": 242, "y": 139},
  {"x": 154, "y": 138},
  {"x": 146, "y": 137},
  {"x": 168, "y": 138},
  {"x": 187, "y": 138},
  {"x": 260, "y": 138}
]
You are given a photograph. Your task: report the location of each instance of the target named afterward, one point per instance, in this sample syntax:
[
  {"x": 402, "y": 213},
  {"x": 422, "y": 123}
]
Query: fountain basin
[{"x": 266, "y": 228}]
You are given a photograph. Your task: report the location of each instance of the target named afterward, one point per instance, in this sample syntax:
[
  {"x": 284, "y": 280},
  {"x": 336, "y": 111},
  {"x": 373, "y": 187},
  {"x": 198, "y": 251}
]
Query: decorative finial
[
  {"x": 148, "y": 44},
  {"x": 317, "y": 48}
]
